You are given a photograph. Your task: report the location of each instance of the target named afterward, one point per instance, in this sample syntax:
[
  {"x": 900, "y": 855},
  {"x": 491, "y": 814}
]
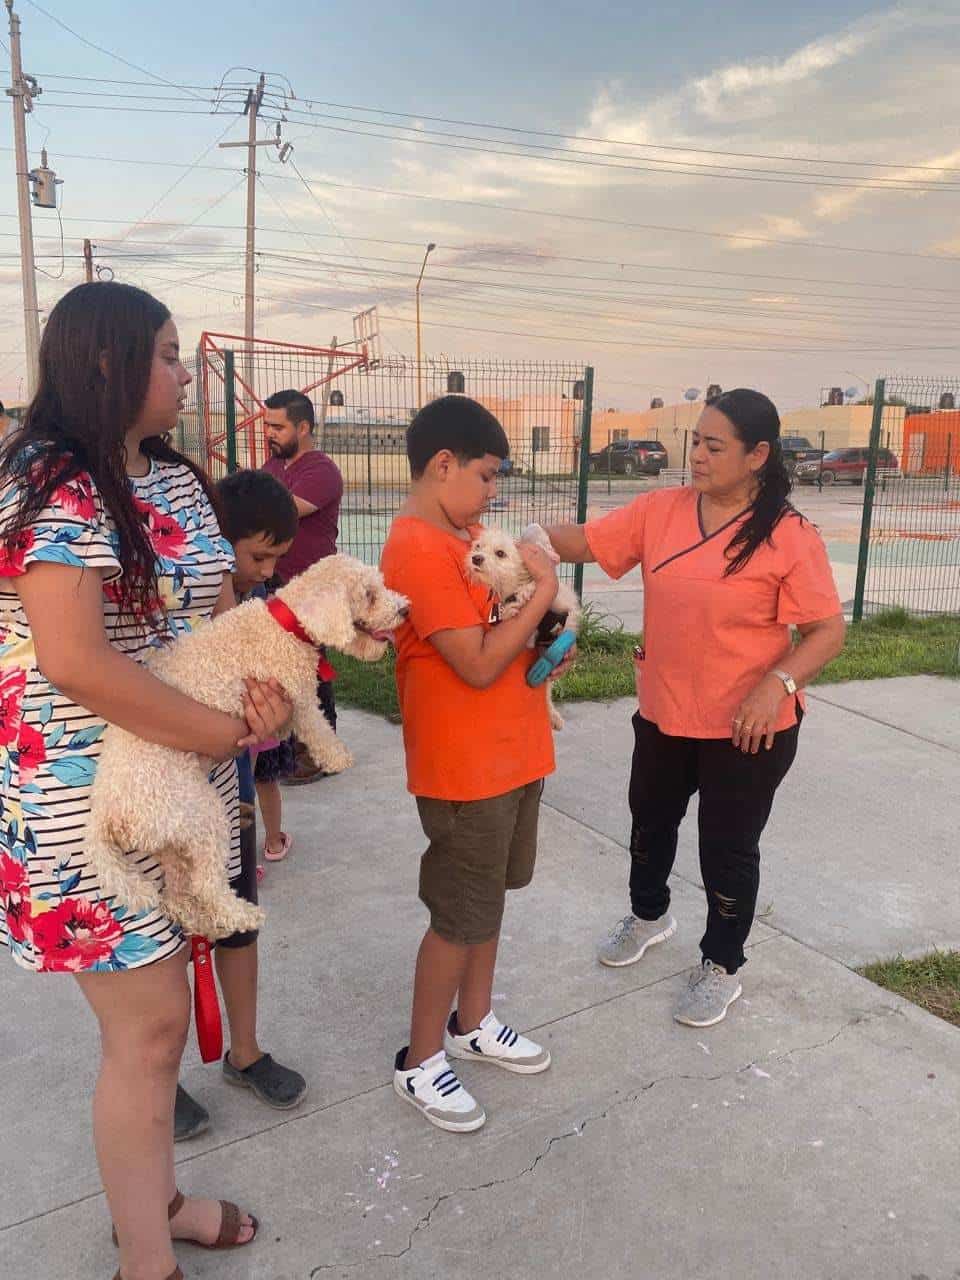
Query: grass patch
[
  {"x": 890, "y": 644},
  {"x": 932, "y": 982},
  {"x": 895, "y": 644},
  {"x": 369, "y": 686}
]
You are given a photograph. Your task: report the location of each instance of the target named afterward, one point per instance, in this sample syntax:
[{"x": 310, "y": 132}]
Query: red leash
[{"x": 206, "y": 1005}]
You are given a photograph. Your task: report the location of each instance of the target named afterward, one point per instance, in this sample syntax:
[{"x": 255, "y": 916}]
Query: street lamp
[{"x": 423, "y": 267}]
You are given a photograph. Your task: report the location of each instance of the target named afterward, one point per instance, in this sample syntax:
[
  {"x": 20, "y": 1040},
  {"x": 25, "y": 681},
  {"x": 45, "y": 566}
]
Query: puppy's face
[
  {"x": 494, "y": 560},
  {"x": 375, "y": 612},
  {"x": 344, "y": 603}
]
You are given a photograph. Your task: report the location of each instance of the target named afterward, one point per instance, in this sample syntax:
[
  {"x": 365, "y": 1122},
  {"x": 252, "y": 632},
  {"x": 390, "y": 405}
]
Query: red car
[{"x": 844, "y": 464}]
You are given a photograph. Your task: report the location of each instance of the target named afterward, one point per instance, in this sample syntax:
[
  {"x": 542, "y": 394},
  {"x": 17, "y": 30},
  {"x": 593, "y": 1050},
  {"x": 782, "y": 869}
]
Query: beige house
[{"x": 841, "y": 425}]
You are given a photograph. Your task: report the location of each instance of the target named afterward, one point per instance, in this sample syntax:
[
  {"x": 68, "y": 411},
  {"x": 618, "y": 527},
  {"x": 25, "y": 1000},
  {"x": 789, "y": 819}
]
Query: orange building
[{"x": 931, "y": 443}]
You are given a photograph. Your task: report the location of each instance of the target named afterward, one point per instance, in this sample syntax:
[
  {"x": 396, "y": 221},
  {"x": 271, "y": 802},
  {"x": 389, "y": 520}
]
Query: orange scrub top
[{"x": 711, "y": 639}]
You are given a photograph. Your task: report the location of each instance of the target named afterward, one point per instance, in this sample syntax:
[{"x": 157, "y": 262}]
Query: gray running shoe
[
  {"x": 710, "y": 993},
  {"x": 632, "y": 936}
]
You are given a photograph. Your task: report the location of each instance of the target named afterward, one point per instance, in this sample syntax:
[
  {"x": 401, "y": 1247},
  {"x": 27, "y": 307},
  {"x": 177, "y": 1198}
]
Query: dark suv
[
  {"x": 844, "y": 464},
  {"x": 630, "y": 458}
]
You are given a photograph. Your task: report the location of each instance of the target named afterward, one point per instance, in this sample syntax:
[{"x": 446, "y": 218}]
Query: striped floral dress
[{"x": 52, "y": 916}]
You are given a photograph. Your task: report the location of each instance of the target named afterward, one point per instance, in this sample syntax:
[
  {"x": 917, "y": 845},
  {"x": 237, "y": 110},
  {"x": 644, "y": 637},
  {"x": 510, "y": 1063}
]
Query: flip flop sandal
[
  {"x": 231, "y": 1224},
  {"x": 286, "y": 844}
]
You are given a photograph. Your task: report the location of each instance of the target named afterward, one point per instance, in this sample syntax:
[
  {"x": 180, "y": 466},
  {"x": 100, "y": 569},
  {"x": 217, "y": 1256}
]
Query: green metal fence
[
  {"x": 363, "y": 411},
  {"x": 910, "y": 532}
]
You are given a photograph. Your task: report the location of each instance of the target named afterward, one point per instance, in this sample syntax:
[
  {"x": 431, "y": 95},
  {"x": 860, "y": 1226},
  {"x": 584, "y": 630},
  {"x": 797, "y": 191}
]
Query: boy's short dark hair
[
  {"x": 297, "y": 406},
  {"x": 253, "y": 502},
  {"x": 456, "y": 423}
]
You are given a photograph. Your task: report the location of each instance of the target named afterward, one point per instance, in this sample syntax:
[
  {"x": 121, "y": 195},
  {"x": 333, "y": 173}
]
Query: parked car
[
  {"x": 844, "y": 464},
  {"x": 797, "y": 449},
  {"x": 629, "y": 458}
]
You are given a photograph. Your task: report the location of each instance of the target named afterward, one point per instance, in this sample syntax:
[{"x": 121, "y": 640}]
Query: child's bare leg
[
  {"x": 237, "y": 971},
  {"x": 271, "y": 811},
  {"x": 441, "y": 966},
  {"x": 476, "y": 985}
]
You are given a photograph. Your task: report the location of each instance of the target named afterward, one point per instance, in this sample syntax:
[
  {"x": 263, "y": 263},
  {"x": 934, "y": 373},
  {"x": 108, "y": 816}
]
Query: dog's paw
[{"x": 336, "y": 758}]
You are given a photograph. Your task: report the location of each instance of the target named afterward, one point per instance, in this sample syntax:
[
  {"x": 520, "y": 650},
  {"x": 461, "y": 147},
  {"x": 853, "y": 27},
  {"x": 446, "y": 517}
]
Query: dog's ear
[{"x": 326, "y": 616}]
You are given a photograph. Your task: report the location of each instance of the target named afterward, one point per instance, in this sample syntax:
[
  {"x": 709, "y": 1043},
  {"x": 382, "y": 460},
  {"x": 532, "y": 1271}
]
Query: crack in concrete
[{"x": 578, "y": 1129}]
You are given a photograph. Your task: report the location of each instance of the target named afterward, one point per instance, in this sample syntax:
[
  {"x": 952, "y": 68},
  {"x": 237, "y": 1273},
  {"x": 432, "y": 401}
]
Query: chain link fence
[
  {"x": 363, "y": 409},
  {"x": 910, "y": 533}
]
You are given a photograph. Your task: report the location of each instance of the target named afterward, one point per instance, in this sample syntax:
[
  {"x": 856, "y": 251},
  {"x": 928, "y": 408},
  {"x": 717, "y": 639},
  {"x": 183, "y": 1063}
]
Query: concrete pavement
[{"x": 812, "y": 1134}]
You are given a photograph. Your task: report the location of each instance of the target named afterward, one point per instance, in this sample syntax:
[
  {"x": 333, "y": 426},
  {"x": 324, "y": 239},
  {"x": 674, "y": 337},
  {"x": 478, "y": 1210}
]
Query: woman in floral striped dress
[{"x": 109, "y": 545}]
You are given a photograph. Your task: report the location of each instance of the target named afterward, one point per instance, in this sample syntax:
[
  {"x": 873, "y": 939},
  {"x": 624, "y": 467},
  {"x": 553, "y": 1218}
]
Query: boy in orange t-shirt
[{"x": 478, "y": 746}]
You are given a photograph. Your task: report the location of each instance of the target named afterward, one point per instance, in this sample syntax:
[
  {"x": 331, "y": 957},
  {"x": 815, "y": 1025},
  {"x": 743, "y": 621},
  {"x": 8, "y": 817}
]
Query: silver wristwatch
[{"x": 788, "y": 681}]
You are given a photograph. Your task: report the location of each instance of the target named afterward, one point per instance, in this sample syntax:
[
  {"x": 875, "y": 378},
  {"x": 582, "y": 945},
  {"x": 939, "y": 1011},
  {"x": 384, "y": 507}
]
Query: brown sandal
[{"x": 231, "y": 1224}]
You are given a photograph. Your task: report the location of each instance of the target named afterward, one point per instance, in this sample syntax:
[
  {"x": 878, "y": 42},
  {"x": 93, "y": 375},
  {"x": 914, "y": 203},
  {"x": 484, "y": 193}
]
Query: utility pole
[
  {"x": 88, "y": 262},
  {"x": 251, "y": 110},
  {"x": 23, "y": 90}
]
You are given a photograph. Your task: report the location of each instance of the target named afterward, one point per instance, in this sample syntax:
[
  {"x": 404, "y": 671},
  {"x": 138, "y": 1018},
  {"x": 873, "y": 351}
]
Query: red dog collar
[{"x": 290, "y": 622}]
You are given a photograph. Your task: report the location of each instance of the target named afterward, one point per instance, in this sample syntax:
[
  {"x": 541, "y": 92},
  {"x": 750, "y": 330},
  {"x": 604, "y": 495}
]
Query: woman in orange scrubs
[{"x": 729, "y": 567}]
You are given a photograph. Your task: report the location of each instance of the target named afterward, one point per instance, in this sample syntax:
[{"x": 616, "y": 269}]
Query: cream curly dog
[
  {"x": 158, "y": 802},
  {"x": 493, "y": 560}
]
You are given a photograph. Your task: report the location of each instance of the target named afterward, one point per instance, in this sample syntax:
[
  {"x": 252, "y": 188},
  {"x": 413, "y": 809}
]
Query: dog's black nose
[{"x": 477, "y": 560}]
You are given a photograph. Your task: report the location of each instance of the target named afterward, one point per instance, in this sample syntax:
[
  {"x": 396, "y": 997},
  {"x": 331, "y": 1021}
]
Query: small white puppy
[{"x": 495, "y": 561}]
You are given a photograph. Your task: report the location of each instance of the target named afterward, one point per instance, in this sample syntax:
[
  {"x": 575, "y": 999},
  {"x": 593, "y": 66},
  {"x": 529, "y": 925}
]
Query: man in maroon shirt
[{"x": 316, "y": 484}]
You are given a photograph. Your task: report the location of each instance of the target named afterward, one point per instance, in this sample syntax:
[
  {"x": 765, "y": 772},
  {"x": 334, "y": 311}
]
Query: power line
[
  {"x": 618, "y": 283},
  {"x": 878, "y": 184},
  {"x": 567, "y": 217},
  {"x": 559, "y": 257},
  {"x": 727, "y": 171},
  {"x": 100, "y": 49},
  {"x": 524, "y": 302},
  {"x": 544, "y": 133},
  {"x": 649, "y": 146},
  {"x": 641, "y": 226},
  {"x": 578, "y": 337},
  {"x": 695, "y": 169},
  {"x": 173, "y": 186}
]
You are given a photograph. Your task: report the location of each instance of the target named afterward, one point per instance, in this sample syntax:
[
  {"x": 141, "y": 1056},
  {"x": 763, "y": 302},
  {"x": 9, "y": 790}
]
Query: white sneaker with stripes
[
  {"x": 434, "y": 1089},
  {"x": 493, "y": 1041}
]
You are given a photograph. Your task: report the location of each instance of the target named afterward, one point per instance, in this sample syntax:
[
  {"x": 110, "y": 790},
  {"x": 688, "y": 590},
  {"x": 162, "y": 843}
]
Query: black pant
[
  {"x": 327, "y": 704},
  {"x": 736, "y": 796}
]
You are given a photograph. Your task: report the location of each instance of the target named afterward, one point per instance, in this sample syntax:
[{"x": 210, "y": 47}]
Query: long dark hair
[
  {"x": 95, "y": 362},
  {"x": 755, "y": 419}
]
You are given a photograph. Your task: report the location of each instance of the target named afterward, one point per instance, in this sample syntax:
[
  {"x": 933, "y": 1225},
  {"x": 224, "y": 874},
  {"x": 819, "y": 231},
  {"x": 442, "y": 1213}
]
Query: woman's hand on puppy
[
  {"x": 539, "y": 565},
  {"x": 267, "y": 711}
]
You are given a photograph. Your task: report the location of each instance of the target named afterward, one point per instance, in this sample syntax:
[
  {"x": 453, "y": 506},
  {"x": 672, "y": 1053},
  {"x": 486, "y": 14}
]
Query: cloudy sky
[{"x": 676, "y": 193}]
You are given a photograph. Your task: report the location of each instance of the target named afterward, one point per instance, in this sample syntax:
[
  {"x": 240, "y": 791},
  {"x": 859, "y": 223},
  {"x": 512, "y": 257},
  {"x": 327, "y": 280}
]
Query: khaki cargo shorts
[{"x": 478, "y": 850}]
